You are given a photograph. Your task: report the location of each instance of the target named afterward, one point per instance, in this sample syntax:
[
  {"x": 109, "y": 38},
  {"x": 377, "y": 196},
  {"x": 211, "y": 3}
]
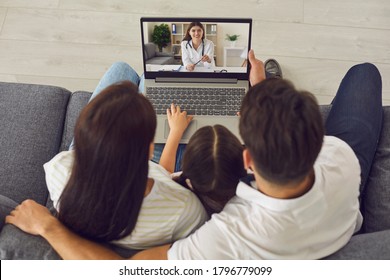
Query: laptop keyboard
[{"x": 197, "y": 101}]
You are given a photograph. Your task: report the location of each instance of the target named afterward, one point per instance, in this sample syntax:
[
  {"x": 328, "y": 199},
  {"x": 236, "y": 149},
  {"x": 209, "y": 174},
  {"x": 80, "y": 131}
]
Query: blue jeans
[
  {"x": 356, "y": 115},
  {"x": 121, "y": 71}
]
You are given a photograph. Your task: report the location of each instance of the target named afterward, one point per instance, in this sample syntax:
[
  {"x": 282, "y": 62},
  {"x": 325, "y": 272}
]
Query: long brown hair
[
  {"x": 282, "y": 129},
  {"x": 213, "y": 162},
  {"x": 187, "y": 36},
  {"x": 112, "y": 138}
]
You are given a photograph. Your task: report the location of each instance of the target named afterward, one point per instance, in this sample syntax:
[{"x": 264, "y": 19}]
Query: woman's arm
[
  {"x": 36, "y": 219},
  {"x": 178, "y": 123}
]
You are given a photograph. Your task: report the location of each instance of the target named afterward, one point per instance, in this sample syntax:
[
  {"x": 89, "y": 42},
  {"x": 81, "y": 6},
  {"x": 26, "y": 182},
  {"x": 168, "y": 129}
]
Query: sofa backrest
[
  {"x": 76, "y": 103},
  {"x": 31, "y": 125},
  {"x": 376, "y": 200},
  {"x": 150, "y": 50},
  {"x": 376, "y": 197}
]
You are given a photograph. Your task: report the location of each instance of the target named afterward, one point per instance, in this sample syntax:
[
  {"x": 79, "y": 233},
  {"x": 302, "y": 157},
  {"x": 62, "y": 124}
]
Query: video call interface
[{"x": 215, "y": 47}]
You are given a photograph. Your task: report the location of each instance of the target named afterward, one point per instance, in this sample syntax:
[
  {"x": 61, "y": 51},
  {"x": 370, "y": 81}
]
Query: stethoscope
[{"x": 188, "y": 44}]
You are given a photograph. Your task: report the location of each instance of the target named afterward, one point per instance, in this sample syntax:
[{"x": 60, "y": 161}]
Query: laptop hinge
[{"x": 195, "y": 80}]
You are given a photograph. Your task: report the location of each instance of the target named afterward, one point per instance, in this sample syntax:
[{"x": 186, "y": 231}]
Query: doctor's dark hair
[
  {"x": 213, "y": 162},
  {"x": 282, "y": 129},
  {"x": 187, "y": 36},
  {"x": 107, "y": 184}
]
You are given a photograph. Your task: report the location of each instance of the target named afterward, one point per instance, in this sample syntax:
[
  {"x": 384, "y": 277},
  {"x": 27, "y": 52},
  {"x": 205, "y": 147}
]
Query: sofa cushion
[
  {"x": 376, "y": 202},
  {"x": 150, "y": 50},
  {"x": 77, "y": 102},
  {"x": 161, "y": 60},
  {"x": 368, "y": 246},
  {"x": 324, "y": 109},
  {"x": 18, "y": 245},
  {"x": 31, "y": 123},
  {"x": 376, "y": 199},
  {"x": 6, "y": 206}
]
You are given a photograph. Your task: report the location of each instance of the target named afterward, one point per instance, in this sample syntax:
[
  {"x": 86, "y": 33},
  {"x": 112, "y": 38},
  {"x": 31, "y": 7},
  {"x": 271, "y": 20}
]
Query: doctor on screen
[{"x": 195, "y": 49}]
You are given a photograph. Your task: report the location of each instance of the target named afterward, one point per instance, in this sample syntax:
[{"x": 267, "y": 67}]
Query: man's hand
[
  {"x": 178, "y": 120},
  {"x": 257, "y": 71},
  {"x": 31, "y": 217}
]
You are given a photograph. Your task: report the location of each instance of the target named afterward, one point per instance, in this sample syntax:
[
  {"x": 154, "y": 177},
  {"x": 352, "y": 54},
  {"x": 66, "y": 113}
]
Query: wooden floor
[{"x": 71, "y": 43}]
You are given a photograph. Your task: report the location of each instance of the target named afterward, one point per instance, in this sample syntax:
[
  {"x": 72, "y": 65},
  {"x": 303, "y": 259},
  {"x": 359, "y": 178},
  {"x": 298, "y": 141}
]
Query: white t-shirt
[
  {"x": 255, "y": 226},
  {"x": 192, "y": 56},
  {"x": 168, "y": 213}
]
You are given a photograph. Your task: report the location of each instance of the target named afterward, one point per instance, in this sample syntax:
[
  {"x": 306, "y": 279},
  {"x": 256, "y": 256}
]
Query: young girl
[
  {"x": 212, "y": 166},
  {"x": 212, "y": 162},
  {"x": 109, "y": 195}
]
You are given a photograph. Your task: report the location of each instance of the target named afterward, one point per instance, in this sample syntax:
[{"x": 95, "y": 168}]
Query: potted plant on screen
[
  {"x": 161, "y": 36},
  {"x": 232, "y": 39}
]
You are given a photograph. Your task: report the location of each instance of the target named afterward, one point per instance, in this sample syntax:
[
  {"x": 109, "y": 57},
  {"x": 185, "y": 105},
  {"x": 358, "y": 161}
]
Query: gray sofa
[
  {"x": 36, "y": 122},
  {"x": 154, "y": 57}
]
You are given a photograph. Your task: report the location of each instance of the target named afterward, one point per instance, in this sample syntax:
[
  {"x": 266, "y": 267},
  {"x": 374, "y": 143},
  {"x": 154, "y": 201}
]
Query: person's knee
[
  {"x": 366, "y": 70},
  {"x": 121, "y": 66},
  {"x": 120, "y": 71}
]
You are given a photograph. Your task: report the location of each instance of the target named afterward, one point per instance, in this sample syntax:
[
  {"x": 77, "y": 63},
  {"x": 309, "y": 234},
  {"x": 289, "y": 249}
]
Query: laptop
[{"x": 211, "y": 92}]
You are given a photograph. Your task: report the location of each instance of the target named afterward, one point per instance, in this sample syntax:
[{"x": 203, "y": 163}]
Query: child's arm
[{"x": 178, "y": 122}]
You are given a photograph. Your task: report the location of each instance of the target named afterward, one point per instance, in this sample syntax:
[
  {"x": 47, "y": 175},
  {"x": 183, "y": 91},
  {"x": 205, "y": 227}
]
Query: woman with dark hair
[
  {"x": 106, "y": 189},
  {"x": 196, "y": 49}
]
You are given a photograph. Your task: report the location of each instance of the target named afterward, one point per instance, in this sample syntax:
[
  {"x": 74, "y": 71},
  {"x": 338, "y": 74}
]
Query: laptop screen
[{"x": 196, "y": 47}]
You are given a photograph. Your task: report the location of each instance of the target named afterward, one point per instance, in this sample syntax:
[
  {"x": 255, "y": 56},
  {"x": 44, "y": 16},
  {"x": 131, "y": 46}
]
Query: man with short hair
[{"x": 301, "y": 201}]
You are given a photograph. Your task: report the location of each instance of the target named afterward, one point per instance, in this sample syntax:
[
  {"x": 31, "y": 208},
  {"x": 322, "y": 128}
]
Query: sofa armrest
[
  {"x": 18, "y": 245},
  {"x": 6, "y": 206},
  {"x": 367, "y": 246}
]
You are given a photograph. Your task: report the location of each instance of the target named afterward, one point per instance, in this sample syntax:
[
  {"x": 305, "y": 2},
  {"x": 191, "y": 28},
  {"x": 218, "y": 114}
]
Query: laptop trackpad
[{"x": 191, "y": 129}]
